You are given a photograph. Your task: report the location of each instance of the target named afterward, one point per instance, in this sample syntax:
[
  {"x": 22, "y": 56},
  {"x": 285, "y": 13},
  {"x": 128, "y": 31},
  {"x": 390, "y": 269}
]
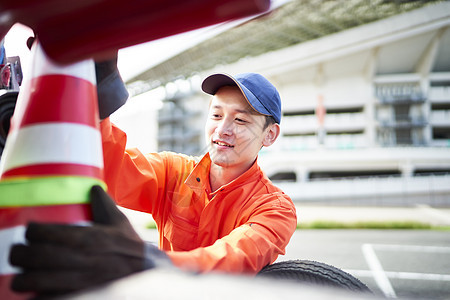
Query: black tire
[{"x": 313, "y": 272}]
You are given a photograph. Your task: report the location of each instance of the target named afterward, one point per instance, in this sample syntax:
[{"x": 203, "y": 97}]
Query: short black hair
[{"x": 269, "y": 121}]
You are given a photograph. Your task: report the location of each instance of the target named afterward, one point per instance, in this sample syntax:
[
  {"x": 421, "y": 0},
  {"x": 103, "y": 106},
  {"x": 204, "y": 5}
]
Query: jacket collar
[{"x": 198, "y": 179}]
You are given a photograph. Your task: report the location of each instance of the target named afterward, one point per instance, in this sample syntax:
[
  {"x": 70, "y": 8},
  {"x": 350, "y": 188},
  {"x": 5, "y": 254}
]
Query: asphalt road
[{"x": 405, "y": 264}]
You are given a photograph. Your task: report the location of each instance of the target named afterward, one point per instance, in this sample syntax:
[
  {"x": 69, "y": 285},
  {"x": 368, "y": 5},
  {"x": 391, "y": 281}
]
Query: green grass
[
  {"x": 407, "y": 225},
  {"x": 370, "y": 225}
]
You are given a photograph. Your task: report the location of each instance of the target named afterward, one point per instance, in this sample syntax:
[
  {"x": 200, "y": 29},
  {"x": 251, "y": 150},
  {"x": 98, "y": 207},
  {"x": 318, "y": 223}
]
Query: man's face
[{"x": 234, "y": 131}]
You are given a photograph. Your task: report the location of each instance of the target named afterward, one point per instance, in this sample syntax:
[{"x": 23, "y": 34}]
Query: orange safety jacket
[{"x": 240, "y": 228}]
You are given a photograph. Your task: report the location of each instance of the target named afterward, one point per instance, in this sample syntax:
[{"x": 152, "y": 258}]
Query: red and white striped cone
[{"x": 53, "y": 154}]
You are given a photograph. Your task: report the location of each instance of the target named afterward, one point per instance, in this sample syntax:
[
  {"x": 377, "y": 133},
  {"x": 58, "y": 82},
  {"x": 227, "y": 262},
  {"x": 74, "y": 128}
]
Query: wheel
[{"x": 313, "y": 272}]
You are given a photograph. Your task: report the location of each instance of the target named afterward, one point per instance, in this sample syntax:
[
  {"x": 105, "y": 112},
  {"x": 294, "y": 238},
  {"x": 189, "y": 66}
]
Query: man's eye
[{"x": 241, "y": 121}]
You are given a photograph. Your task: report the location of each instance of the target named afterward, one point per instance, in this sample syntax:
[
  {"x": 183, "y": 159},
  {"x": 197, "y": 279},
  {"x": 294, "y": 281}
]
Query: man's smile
[{"x": 223, "y": 144}]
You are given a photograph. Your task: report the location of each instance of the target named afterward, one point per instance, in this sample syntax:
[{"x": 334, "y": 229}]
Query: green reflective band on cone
[{"x": 46, "y": 191}]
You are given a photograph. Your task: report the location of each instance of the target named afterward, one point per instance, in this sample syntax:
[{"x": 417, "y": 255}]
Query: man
[
  {"x": 220, "y": 212},
  {"x": 215, "y": 213}
]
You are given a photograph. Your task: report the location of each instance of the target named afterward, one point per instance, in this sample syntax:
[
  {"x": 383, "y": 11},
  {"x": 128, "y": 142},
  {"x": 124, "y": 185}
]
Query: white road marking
[
  {"x": 378, "y": 272},
  {"x": 403, "y": 275},
  {"x": 411, "y": 248}
]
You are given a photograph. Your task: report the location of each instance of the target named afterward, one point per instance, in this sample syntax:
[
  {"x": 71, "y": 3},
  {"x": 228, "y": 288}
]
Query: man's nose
[{"x": 225, "y": 127}]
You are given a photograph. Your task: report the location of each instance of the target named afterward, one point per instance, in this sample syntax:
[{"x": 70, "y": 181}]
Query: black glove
[
  {"x": 60, "y": 259},
  {"x": 7, "y": 105},
  {"x": 111, "y": 90}
]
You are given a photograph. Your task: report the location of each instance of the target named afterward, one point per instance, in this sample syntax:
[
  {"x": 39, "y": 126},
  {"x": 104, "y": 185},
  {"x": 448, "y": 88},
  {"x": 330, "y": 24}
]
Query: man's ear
[{"x": 271, "y": 134}]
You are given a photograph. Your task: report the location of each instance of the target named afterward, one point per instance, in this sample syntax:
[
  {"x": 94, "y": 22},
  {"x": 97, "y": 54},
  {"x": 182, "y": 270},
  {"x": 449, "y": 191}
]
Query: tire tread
[{"x": 313, "y": 272}]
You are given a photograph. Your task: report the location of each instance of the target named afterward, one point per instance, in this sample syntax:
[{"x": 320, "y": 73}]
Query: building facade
[{"x": 366, "y": 112}]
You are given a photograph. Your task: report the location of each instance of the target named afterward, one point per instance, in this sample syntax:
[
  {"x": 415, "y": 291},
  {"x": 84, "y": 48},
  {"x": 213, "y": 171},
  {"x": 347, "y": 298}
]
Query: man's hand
[{"x": 64, "y": 258}]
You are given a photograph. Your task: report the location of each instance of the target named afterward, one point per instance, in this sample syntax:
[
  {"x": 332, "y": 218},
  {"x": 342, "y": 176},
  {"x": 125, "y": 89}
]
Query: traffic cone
[{"x": 53, "y": 154}]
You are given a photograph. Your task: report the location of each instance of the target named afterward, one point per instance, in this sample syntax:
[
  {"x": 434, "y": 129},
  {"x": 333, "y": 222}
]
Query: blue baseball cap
[{"x": 262, "y": 96}]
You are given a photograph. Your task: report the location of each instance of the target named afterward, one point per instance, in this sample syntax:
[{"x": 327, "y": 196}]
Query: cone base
[
  {"x": 13, "y": 221},
  {"x": 63, "y": 214}
]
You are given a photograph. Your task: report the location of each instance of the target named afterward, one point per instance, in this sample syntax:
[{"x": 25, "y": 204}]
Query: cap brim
[{"x": 213, "y": 82}]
